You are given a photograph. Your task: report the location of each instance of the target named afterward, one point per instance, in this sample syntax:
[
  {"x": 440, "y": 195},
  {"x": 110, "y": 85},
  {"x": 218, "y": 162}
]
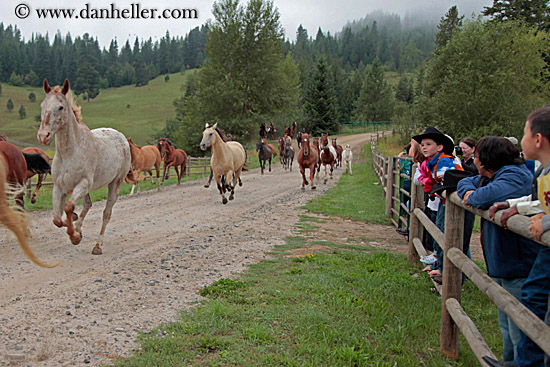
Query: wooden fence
[{"x": 453, "y": 316}]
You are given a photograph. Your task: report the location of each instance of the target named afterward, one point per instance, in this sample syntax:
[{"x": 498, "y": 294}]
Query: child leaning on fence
[
  {"x": 438, "y": 149},
  {"x": 536, "y": 289},
  {"x": 508, "y": 256}
]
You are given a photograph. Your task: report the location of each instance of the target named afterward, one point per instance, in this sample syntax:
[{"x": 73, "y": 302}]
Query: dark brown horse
[
  {"x": 263, "y": 131},
  {"x": 327, "y": 155},
  {"x": 339, "y": 151},
  {"x": 172, "y": 158},
  {"x": 293, "y": 129},
  {"x": 31, "y": 172},
  {"x": 265, "y": 154},
  {"x": 308, "y": 157}
]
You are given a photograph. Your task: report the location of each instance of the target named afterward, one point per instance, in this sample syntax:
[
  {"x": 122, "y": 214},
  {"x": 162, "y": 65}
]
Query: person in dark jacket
[
  {"x": 467, "y": 149},
  {"x": 509, "y": 257}
]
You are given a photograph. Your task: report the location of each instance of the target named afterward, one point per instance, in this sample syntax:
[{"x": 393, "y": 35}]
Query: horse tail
[
  {"x": 36, "y": 163},
  {"x": 245, "y": 166},
  {"x": 16, "y": 222}
]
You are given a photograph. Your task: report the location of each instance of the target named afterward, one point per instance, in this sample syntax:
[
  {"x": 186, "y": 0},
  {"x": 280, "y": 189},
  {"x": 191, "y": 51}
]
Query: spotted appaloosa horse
[
  {"x": 308, "y": 158},
  {"x": 327, "y": 155},
  {"x": 85, "y": 160},
  {"x": 143, "y": 159}
]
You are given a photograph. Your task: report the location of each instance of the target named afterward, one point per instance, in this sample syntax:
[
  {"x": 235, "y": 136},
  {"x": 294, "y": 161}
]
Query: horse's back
[{"x": 151, "y": 155}]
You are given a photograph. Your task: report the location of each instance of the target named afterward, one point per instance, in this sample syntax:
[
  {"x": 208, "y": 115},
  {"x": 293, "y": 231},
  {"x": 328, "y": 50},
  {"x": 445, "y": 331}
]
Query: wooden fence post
[
  {"x": 452, "y": 278},
  {"x": 389, "y": 186}
]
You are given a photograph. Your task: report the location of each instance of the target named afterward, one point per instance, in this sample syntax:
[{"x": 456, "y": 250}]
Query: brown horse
[
  {"x": 281, "y": 145},
  {"x": 293, "y": 129},
  {"x": 31, "y": 172},
  {"x": 271, "y": 131},
  {"x": 172, "y": 158},
  {"x": 327, "y": 155},
  {"x": 16, "y": 168},
  {"x": 15, "y": 221},
  {"x": 308, "y": 157},
  {"x": 339, "y": 151},
  {"x": 143, "y": 159},
  {"x": 271, "y": 146}
]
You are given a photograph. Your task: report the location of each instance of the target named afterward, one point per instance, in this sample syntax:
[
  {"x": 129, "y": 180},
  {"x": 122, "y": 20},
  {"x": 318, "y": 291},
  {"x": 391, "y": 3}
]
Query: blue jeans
[
  {"x": 534, "y": 295},
  {"x": 510, "y": 332}
]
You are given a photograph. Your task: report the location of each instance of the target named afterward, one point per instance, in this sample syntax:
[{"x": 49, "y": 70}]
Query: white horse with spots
[
  {"x": 228, "y": 159},
  {"x": 85, "y": 160},
  {"x": 347, "y": 157}
]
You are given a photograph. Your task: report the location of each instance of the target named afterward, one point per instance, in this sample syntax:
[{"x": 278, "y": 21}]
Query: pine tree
[
  {"x": 141, "y": 73},
  {"x": 87, "y": 81},
  {"x": 22, "y": 112},
  {"x": 448, "y": 26},
  {"x": 376, "y": 102},
  {"x": 320, "y": 104},
  {"x": 32, "y": 97},
  {"x": 533, "y": 12},
  {"x": 9, "y": 105}
]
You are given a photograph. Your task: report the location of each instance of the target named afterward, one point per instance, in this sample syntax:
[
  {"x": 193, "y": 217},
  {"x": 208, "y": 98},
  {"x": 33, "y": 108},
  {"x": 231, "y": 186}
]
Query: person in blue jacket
[{"x": 509, "y": 257}]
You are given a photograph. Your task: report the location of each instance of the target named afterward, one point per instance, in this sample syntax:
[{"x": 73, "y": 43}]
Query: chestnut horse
[
  {"x": 15, "y": 221},
  {"x": 327, "y": 155},
  {"x": 271, "y": 131},
  {"x": 172, "y": 158},
  {"x": 85, "y": 160},
  {"x": 31, "y": 172},
  {"x": 308, "y": 157},
  {"x": 339, "y": 151},
  {"x": 293, "y": 129},
  {"x": 143, "y": 159},
  {"x": 228, "y": 159}
]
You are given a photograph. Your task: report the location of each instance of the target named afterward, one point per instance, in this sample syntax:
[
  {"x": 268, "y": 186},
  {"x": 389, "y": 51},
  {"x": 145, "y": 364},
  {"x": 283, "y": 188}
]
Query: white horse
[
  {"x": 347, "y": 157},
  {"x": 84, "y": 160},
  {"x": 228, "y": 159}
]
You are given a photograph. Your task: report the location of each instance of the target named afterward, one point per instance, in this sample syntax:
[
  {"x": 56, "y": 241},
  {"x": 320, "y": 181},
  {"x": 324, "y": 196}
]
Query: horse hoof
[
  {"x": 224, "y": 201},
  {"x": 75, "y": 217},
  {"x": 303, "y": 189},
  {"x": 97, "y": 250},
  {"x": 207, "y": 185},
  {"x": 33, "y": 200},
  {"x": 313, "y": 187},
  {"x": 231, "y": 197},
  {"x": 76, "y": 239}
]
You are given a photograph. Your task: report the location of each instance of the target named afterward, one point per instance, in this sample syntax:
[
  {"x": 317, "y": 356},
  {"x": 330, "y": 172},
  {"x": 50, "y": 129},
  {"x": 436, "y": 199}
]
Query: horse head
[
  {"x": 56, "y": 108},
  {"x": 305, "y": 144},
  {"x": 208, "y": 136},
  {"x": 259, "y": 145},
  {"x": 324, "y": 141}
]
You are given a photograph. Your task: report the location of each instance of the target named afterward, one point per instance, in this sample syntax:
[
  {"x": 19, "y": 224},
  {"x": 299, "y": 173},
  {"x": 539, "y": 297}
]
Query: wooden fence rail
[{"x": 453, "y": 317}]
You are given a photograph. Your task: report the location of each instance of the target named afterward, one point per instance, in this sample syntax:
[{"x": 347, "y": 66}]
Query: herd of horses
[{"x": 86, "y": 160}]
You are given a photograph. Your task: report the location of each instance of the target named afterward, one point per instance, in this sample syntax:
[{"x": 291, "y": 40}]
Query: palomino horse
[
  {"x": 143, "y": 159},
  {"x": 327, "y": 155},
  {"x": 227, "y": 159},
  {"x": 17, "y": 163},
  {"x": 307, "y": 158},
  {"x": 33, "y": 171},
  {"x": 288, "y": 154},
  {"x": 85, "y": 160},
  {"x": 347, "y": 157},
  {"x": 339, "y": 151},
  {"x": 15, "y": 221},
  {"x": 265, "y": 154},
  {"x": 172, "y": 158}
]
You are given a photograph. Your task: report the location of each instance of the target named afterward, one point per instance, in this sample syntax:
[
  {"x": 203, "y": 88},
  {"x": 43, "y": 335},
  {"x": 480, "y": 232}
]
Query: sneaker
[
  {"x": 428, "y": 260},
  {"x": 402, "y": 231}
]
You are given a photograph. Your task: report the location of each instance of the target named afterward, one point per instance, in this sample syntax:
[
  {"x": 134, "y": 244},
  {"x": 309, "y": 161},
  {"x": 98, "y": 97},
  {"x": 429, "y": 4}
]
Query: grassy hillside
[{"x": 136, "y": 112}]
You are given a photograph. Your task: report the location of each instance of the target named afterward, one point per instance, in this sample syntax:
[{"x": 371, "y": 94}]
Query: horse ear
[
  {"x": 206, "y": 125},
  {"x": 47, "y": 87},
  {"x": 215, "y": 125},
  {"x": 66, "y": 86}
]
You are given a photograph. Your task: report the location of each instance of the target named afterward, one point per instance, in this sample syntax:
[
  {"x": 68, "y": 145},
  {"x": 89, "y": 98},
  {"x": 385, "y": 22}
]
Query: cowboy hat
[
  {"x": 450, "y": 181},
  {"x": 437, "y": 136}
]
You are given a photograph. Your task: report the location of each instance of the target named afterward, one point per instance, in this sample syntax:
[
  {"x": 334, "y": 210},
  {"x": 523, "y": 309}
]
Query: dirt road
[{"x": 160, "y": 249}]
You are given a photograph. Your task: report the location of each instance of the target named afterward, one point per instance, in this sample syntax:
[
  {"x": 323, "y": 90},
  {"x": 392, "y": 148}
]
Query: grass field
[
  {"x": 349, "y": 306},
  {"x": 137, "y": 112}
]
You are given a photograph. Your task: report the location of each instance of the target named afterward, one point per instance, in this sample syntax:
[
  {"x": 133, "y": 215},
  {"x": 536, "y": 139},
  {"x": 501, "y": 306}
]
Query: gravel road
[{"x": 160, "y": 249}]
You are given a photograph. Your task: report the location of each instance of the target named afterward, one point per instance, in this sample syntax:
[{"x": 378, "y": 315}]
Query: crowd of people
[{"x": 492, "y": 174}]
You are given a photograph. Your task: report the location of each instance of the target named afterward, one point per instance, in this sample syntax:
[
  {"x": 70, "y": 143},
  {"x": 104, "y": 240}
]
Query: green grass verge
[{"x": 349, "y": 306}]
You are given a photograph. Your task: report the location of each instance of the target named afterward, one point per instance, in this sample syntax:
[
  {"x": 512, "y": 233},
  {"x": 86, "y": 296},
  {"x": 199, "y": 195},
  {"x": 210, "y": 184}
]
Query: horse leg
[
  {"x": 58, "y": 201},
  {"x": 331, "y": 169},
  {"x": 304, "y": 181},
  {"x": 269, "y": 165},
  {"x": 236, "y": 178},
  {"x": 29, "y": 184},
  {"x": 325, "y": 176},
  {"x": 133, "y": 187},
  {"x": 177, "y": 174},
  {"x": 312, "y": 176},
  {"x": 86, "y": 205},
  {"x": 350, "y": 172},
  {"x": 38, "y": 186},
  {"x": 218, "y": 180},
  {"x": 112, "y": 195},
  {"x": 79, "y": 192}
]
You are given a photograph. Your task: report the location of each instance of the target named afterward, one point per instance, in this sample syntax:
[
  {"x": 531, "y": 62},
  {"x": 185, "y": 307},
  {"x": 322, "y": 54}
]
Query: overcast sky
[{"x": 330, "y": 15}]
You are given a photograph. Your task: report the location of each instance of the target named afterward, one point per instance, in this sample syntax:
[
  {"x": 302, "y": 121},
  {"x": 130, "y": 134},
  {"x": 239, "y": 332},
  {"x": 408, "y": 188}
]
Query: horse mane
[{"x": 76, "y": 109}]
